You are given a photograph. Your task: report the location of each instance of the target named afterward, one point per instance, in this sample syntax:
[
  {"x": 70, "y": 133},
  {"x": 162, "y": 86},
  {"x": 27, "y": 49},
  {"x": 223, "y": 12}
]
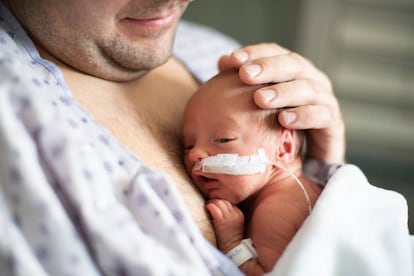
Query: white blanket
[{"x": 354, "y": 229}]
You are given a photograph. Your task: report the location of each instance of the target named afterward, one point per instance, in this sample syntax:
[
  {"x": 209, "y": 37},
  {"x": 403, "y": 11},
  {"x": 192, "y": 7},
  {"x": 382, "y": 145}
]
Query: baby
[{"x": 249, "y": 168}]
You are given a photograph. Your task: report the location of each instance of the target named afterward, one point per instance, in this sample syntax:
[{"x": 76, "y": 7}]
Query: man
[{"x": 115, "y": 69}]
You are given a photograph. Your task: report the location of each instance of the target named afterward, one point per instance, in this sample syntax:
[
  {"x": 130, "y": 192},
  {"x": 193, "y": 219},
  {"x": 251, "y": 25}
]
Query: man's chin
[
  {"x": 123, "y": 76},
  {"x": 128, "y": 73}
]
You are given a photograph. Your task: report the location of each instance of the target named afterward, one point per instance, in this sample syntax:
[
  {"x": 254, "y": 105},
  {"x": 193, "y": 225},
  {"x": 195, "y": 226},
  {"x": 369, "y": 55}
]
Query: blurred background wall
[{"x": 367, "y": 49}]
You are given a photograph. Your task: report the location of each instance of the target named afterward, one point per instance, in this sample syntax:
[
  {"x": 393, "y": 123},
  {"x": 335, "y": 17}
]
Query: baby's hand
[{"x": 228, "y": 222}]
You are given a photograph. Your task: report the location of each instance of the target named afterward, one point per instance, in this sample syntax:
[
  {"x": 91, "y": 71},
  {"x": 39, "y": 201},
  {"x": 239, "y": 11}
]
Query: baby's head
[{"x": 221, "y": 117}]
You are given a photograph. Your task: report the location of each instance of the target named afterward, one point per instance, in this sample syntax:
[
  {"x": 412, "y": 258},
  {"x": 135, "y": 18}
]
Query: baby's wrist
[
  {"x": 242, "y": 252},
  {"x": 229, "y": 245}
]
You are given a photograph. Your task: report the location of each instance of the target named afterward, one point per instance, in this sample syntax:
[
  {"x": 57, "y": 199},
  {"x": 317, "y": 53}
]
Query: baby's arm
[{"x": 228, "y": 222}]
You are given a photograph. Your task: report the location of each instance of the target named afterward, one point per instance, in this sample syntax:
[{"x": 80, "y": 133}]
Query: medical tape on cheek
[{"x": 234, "y": 164}]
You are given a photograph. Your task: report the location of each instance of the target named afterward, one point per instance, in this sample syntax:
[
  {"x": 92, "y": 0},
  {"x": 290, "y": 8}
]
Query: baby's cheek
[
  {"x": 256, "y": 183},
  {"x": 188, "y": 166},
  {"x": 244, "y": 188}
]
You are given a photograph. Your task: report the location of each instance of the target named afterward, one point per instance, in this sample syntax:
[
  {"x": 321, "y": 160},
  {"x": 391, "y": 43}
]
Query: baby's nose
[{"x": 197, "y": 154}]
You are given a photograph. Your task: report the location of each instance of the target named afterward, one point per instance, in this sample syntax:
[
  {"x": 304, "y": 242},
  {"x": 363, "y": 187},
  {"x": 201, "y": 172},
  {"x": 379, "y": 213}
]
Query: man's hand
[{"x": 298, "y": 85}]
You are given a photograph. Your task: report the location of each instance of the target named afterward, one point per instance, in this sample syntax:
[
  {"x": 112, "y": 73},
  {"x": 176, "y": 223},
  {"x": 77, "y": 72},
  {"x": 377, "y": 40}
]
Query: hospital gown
[{"x": 73, "y": 200}]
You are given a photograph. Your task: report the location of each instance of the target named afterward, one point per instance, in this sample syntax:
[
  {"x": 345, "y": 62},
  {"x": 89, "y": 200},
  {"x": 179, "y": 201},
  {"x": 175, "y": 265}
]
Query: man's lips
[{"x": 156, "y": 22}]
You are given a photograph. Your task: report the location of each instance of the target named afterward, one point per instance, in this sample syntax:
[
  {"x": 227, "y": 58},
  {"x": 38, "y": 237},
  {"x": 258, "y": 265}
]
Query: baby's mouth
[{"x": 206, "y": 182}]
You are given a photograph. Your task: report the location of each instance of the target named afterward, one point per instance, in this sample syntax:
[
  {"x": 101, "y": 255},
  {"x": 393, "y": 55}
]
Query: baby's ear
[{"x": 286, "y": 149}]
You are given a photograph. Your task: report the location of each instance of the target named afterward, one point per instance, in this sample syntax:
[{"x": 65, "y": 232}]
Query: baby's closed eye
[{"x": 224, "y": 140}]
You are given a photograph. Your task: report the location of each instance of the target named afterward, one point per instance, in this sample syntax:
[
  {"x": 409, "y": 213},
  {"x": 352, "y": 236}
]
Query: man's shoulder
[
  {"x": 199, "y": 47},
  {"x": 199, "y": 31}
]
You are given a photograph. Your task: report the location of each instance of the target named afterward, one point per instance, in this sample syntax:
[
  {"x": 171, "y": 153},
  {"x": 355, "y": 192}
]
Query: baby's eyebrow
[{"x": 186, "y": 141}]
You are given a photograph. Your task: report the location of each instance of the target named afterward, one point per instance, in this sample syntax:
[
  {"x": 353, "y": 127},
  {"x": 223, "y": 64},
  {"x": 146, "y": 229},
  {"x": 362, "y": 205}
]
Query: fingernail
[
  {"x": 267, "y": 94},
  {"x": 290, "y": 117},
  {"x": 253, "y": 69},
  {"x": 242, "y": 56}
]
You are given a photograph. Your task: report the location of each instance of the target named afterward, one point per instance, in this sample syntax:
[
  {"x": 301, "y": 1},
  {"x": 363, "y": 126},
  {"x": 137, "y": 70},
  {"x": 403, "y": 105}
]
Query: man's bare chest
[{"x": 146, "y": 117}]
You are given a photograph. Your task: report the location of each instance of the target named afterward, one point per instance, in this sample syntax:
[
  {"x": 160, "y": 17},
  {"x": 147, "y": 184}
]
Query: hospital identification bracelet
[{"x": 243, "y": 252}]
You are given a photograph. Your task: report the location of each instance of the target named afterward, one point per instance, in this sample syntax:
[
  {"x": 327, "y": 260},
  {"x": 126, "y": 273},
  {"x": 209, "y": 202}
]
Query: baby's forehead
[
  {"x": 228, "y": 87},
  {"x": 229, "y": 98},
  {"x": 225, "y": 80}
]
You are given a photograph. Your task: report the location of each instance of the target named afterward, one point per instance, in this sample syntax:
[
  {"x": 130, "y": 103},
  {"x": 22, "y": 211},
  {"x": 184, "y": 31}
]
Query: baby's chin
[{"x": 220, "y": 196}]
